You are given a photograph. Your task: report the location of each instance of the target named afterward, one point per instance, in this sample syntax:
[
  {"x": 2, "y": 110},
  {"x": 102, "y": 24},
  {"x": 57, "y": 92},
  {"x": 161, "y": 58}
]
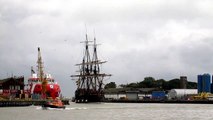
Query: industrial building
[
  {"x": 12, "y": 87},
  {"x": 130, "y": 93}
]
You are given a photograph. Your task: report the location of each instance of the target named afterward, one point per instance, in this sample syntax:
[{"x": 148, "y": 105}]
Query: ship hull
[
  {"x": 52, "y": 90},
  {"x": 86, "y": 96},
  {"x": 52, "y": 106}
]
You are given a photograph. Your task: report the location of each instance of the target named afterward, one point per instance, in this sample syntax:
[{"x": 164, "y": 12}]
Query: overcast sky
[{"x": 139, "y": 38}]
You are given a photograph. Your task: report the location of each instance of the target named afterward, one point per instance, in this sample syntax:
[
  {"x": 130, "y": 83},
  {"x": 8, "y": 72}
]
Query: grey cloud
[{"x": 163, "y": 39}]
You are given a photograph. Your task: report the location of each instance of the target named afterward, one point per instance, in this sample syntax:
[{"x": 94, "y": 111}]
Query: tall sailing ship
[{"x": 89, "y": 79}]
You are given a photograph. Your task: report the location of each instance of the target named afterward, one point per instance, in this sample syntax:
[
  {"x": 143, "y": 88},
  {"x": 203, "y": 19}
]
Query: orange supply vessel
[
  {"x": 42, "y": 85},
  {"x": 52, "y": 88}
]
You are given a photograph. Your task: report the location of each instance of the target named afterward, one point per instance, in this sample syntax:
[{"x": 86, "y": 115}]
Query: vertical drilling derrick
[{"x": 89, "y": 80}]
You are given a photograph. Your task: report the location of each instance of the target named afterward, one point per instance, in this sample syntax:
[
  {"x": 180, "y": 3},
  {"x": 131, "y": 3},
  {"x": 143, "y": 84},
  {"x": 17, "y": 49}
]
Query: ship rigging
[{"x": 89, "y": 80}]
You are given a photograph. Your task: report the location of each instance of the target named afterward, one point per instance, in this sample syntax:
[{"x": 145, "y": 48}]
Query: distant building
[
  {"x": 132, "y": 95},
  {"x": 128, "y": 93},
  {"x": 183, "y": 82},
  {"x": 12, "y": 87}
]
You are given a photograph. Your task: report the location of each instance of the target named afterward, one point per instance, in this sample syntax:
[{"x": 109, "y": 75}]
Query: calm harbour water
[{"x": 112, "y": 111}]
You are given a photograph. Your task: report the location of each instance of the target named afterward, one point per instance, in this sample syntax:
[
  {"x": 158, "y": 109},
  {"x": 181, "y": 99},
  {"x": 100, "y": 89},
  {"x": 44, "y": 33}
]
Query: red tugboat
[
  {"x": 43, "y": 86},
  {"x": 56, "y": 103}
]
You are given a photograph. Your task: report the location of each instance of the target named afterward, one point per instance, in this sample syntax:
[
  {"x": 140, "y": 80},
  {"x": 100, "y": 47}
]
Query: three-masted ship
[{"x": 89, "y": 79}]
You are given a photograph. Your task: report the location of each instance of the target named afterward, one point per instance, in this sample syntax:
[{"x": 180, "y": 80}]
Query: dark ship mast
[{"x": 90, "y": 79}]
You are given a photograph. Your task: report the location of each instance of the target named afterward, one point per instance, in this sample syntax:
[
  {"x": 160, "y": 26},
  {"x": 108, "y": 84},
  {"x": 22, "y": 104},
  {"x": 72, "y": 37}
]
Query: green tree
[
  {"x": 110, "y": 85},
  {"x": 132, "y": 85},
  {"x": 160, "y": 83},
  {"x": 149, "y": 82},
  {"x": 174, "y": 84},
  {"x": 191, "y": 85}
]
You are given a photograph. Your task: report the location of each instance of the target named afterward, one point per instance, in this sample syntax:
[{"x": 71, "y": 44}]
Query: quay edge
[
  {"x": 162, "y": 101},
  {"x": 22, "y": 103}
]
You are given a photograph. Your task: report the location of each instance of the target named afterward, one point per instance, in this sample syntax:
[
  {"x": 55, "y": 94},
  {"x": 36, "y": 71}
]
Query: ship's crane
[{"x": 41, "y": 76}]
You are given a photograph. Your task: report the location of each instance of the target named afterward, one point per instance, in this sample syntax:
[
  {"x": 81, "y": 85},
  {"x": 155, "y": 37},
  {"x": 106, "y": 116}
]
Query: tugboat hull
[{"x": 54, "y": 104}]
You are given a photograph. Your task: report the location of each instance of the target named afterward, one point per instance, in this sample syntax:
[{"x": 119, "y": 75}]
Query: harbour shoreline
[
  {"x": 22, "y": 103},
  {"x": 162, "y": 101}
]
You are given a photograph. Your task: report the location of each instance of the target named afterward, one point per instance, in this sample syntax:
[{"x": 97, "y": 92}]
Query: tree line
[{"x": 150, "y": 82}]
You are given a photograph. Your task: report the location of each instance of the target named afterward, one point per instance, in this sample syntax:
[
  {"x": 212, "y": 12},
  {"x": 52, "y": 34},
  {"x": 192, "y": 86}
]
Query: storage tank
[
  {"x": 181, "y": 93},
  {"x": 204, "y": 83},
  {"x": 207, "y": 84},
  {"x": 199, "y": 83},
  {"x": 212, "y": 85}
]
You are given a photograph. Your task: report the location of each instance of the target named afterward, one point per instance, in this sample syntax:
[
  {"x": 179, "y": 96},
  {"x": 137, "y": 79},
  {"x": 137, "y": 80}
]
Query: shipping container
[{"x": 158, "y": 95}]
